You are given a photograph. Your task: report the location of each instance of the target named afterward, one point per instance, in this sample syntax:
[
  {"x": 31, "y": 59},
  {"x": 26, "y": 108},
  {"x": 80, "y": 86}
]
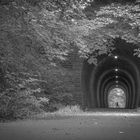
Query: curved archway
[
  {"x": 119, "y": 70},
  {"x": 116, "y": 98}
]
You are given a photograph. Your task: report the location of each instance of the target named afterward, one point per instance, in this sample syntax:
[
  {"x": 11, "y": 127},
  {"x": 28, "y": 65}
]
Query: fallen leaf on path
[{"x": 121, "y": 132}]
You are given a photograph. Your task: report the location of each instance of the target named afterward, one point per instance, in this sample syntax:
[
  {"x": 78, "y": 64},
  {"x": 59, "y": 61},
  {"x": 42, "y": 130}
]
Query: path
[{"x": 92, "y": 126}]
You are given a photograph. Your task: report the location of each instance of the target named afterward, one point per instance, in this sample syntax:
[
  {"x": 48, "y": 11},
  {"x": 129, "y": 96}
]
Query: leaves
[
  {"x": 127, "y": 20},
  {"x": 109, "y": 22}
]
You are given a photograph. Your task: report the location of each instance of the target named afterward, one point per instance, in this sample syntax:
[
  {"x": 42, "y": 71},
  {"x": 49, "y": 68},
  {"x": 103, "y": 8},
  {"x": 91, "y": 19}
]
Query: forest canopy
[{"x": 59, "y": 26}]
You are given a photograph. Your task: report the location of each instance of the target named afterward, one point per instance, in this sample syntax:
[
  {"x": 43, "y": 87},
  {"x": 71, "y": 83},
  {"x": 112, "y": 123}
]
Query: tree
[{"x": 107, "y": 23}]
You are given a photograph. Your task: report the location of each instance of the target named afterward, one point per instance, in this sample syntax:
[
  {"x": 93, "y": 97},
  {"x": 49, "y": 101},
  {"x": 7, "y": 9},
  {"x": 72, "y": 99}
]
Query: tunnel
[{"x": 114, "y": 82}]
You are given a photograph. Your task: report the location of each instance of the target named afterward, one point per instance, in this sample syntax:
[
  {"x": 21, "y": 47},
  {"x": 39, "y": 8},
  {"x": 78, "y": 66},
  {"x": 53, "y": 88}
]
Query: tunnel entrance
[
  {"x": 115, "y": 81},
  {"x": 116, "y": 98}
]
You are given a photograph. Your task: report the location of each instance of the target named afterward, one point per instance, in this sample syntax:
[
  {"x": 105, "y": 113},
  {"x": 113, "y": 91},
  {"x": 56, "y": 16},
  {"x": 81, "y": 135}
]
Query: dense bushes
[
  {"x": 18, "y": 104},
  {"x": 27, "y": 93}
]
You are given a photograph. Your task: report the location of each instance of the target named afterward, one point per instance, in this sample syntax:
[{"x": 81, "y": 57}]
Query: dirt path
[{"x": 82, "y": 127}]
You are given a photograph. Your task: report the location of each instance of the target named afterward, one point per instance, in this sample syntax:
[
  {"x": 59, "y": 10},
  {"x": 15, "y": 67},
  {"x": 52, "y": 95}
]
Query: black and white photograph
[{"x": 69, "y": 69}]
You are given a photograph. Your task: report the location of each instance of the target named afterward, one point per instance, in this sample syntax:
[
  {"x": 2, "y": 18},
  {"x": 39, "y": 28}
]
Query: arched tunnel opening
[
  {"x": 116, "y": 98},
  {"x": 115, "y": 81}
]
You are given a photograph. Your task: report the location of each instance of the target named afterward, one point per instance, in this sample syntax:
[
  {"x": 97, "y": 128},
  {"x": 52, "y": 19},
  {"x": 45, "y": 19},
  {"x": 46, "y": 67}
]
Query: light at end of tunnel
[
  {"x": 116, "y": 76},
  {"x": 116, "y": 57},
  {"x": 116, "y": 81},
  {"x": 116, "y": 70}
]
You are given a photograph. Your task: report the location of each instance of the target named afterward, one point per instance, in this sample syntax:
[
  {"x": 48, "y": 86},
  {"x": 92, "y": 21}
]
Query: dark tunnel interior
[{"x": 118, "y": 72}]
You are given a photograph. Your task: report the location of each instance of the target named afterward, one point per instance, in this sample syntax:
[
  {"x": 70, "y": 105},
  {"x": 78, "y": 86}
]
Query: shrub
[{"x": 18, "y": 104}]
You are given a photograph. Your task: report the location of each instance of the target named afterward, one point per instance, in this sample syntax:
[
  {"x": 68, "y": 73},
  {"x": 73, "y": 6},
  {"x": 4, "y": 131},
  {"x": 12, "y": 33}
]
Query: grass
[
  {"x": 62, "y": 112},
  {"x": 71, "y": 111}
]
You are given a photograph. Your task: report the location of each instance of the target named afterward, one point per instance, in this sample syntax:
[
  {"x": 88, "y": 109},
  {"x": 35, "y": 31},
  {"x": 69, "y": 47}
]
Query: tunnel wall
[{"x": 121, "y": 69}]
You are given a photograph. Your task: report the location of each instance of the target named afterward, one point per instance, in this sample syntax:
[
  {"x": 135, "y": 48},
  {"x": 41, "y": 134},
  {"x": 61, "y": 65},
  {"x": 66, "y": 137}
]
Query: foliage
[
  {"x": 70, "y": 110},
  {"x": 126, "y": 21},
  {"x": 90, "y": 36},
  {"x": 55, "y": 27},
  {"x": 109, "y": 22},
  {"x": 18, "y": 104}
]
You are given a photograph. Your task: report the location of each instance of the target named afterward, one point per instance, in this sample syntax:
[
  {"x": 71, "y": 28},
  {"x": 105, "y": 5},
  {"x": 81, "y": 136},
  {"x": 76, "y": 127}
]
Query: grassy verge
[
  {"x": 70, "y": 111},
  {"x": 62, "y": 112}
]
